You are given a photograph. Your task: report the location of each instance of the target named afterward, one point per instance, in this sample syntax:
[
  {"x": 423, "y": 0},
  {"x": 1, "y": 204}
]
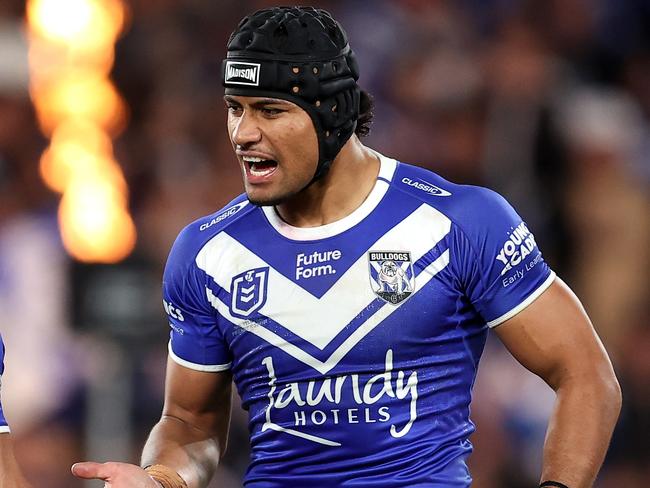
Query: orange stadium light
[
  {"x": 62, "y": 162},
  {"x": 79, "y": 94},
  {"x": 95, "y": 225},
  {"x": 76, "y": 145},
  {"x": 87, "y": 22},
  {"x": 51, "y": 59},
  {"x": 71, "y": 55}
]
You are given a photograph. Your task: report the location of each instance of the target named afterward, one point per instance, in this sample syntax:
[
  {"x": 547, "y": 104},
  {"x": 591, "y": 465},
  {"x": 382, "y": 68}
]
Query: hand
[{"x": 116, "y": 475}]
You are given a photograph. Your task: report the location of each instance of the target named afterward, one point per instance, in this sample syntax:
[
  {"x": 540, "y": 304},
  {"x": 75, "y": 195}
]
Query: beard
[{"x": 273, "y": 201}]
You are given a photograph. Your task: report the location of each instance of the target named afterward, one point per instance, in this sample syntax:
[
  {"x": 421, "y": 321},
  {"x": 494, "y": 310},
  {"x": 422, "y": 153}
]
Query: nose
[{"x": 245, "y": 130}]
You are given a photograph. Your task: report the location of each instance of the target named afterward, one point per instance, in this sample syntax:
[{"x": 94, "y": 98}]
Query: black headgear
[{"x": 299, "y": 54}]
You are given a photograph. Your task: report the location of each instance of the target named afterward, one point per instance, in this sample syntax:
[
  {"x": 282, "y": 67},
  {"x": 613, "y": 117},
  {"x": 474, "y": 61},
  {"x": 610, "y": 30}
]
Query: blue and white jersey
[
  {"x": 354, "y": 346},
  {"x": 3, "y": 423}
]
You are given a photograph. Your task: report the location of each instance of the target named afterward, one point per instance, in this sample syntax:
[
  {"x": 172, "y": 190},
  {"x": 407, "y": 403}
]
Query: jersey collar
[{"x": 386, "y": 171}]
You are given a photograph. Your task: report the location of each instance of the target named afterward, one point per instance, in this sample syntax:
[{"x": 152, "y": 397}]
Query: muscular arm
[
  {"x": 191, "y": 436},
  {"x": 10, "y": 474},
  {"x": 554, "y": 338}
]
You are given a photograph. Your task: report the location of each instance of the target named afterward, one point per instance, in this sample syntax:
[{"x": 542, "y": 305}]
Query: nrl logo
[
  {"x": 391, "y": 275},
  {"x": 248, "y": 290},
  {"x": 240, "y": 73}
]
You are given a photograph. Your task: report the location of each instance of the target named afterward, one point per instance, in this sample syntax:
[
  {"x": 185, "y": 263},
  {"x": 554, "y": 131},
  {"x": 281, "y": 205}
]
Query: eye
[
  {"x": 271, "y": 111},
  {"x": 233, "y": 108}
]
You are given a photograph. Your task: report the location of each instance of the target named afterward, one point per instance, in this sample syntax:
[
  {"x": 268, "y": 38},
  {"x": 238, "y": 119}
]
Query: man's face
[{"x": 276, "y": 145}]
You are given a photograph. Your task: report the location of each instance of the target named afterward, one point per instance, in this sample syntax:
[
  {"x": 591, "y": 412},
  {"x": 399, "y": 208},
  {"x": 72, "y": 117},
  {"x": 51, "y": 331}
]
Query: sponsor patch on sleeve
[{"x": 515, "y": 251}]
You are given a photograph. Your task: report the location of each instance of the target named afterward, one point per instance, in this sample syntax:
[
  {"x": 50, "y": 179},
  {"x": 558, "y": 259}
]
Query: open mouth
[{"x": 260, "y": 167}]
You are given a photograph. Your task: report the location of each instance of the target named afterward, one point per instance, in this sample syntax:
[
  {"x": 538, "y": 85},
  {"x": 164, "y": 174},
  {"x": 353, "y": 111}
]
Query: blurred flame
[
  {"x": 71, "y": 55},
  {"x": 95, "y": 225},
  {"x": 50, "y": 60},
  {"x": 79, "y": 94},
  {"x": 85, "y": 23},
  {"x": 65, "y": 161}
]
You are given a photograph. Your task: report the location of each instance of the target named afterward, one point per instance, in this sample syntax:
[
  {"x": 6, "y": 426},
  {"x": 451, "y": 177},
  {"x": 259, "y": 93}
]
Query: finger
[{"x": 90, "y": 471}]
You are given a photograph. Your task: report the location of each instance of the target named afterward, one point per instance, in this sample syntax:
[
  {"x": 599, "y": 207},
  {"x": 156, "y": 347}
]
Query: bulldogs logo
[{"x": 391, "y": 275}]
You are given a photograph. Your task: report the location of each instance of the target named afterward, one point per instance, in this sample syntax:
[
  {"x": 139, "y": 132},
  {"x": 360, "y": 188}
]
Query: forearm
[
  {"x": 191, "y": 452},
  {"x": 580, "y": 429},
  {"x": 10, "y": 474}
]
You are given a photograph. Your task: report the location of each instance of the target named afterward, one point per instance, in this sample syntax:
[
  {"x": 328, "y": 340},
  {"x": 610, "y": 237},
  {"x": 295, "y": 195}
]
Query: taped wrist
[
  {"x": 166, "y": 476},
  {"x": 551, "y": 483}
]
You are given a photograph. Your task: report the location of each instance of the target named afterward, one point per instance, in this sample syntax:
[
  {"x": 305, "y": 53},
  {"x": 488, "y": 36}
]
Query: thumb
[{"x": 91, "y": 471}]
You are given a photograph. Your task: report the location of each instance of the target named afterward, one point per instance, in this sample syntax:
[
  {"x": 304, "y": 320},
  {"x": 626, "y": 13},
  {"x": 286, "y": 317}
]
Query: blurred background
[{"x": 112, "y": 138}]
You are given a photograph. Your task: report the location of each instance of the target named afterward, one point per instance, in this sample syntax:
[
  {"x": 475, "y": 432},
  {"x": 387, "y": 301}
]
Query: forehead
[{"x": 255, "y": 101}]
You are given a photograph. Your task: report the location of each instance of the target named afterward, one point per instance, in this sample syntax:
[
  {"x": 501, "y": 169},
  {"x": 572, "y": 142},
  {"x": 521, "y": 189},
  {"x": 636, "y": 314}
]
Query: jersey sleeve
[
  {"x": 502, "y": 268},
  {"x": 4, "y": 427},
  {"x": 196, "y": 341}
]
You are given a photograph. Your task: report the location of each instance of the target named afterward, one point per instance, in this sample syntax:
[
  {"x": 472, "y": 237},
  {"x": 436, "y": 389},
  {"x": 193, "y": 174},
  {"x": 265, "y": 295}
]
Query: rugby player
[
  {"x": 10, "y": 474},
  {"x": 350, "y": 295}
]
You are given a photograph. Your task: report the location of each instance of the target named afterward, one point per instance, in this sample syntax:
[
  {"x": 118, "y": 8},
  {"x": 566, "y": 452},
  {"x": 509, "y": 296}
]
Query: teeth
[
  {"x": 251, "y": 159},
  {"x": 263, "y": 172}
]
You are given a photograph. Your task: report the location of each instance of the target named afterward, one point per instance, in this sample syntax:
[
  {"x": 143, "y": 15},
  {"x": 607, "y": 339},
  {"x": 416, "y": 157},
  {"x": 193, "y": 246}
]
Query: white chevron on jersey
[
  {"x": 330, "y": 314},
  {"x": 418, "y": 233},
  {"x": 321, "y": 322}
]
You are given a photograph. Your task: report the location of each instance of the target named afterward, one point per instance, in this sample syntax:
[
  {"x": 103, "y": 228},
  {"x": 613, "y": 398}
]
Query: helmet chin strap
[{"x": 321, "y": 171}]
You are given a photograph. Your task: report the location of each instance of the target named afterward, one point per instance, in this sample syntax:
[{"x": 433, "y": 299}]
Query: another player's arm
[
  {"x": 10, "y": 474},
  {"x": 553, "y": 337},
  {"x": 191, "y": 436}
]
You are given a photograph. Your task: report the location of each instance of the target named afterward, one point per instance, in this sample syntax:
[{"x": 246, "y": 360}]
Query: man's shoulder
[
  {"x": 193, "y": 237},
  {"x": 216, "y": 222},
  {"x": 464, "y": 204}
]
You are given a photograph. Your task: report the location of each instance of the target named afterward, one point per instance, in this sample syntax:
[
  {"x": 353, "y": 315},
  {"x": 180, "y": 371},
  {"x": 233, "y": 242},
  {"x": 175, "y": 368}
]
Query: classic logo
[
  {"x": 391, "y": 275},
  {"x": 223, "y": 215},
  {"x": 248, "y": 291},
  {"x": 240, "y": 73},
  {"x": 426, "y": 187}
]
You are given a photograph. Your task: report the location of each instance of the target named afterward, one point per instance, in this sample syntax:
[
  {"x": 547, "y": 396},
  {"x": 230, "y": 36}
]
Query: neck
[{"x": 340, "y": 192}]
